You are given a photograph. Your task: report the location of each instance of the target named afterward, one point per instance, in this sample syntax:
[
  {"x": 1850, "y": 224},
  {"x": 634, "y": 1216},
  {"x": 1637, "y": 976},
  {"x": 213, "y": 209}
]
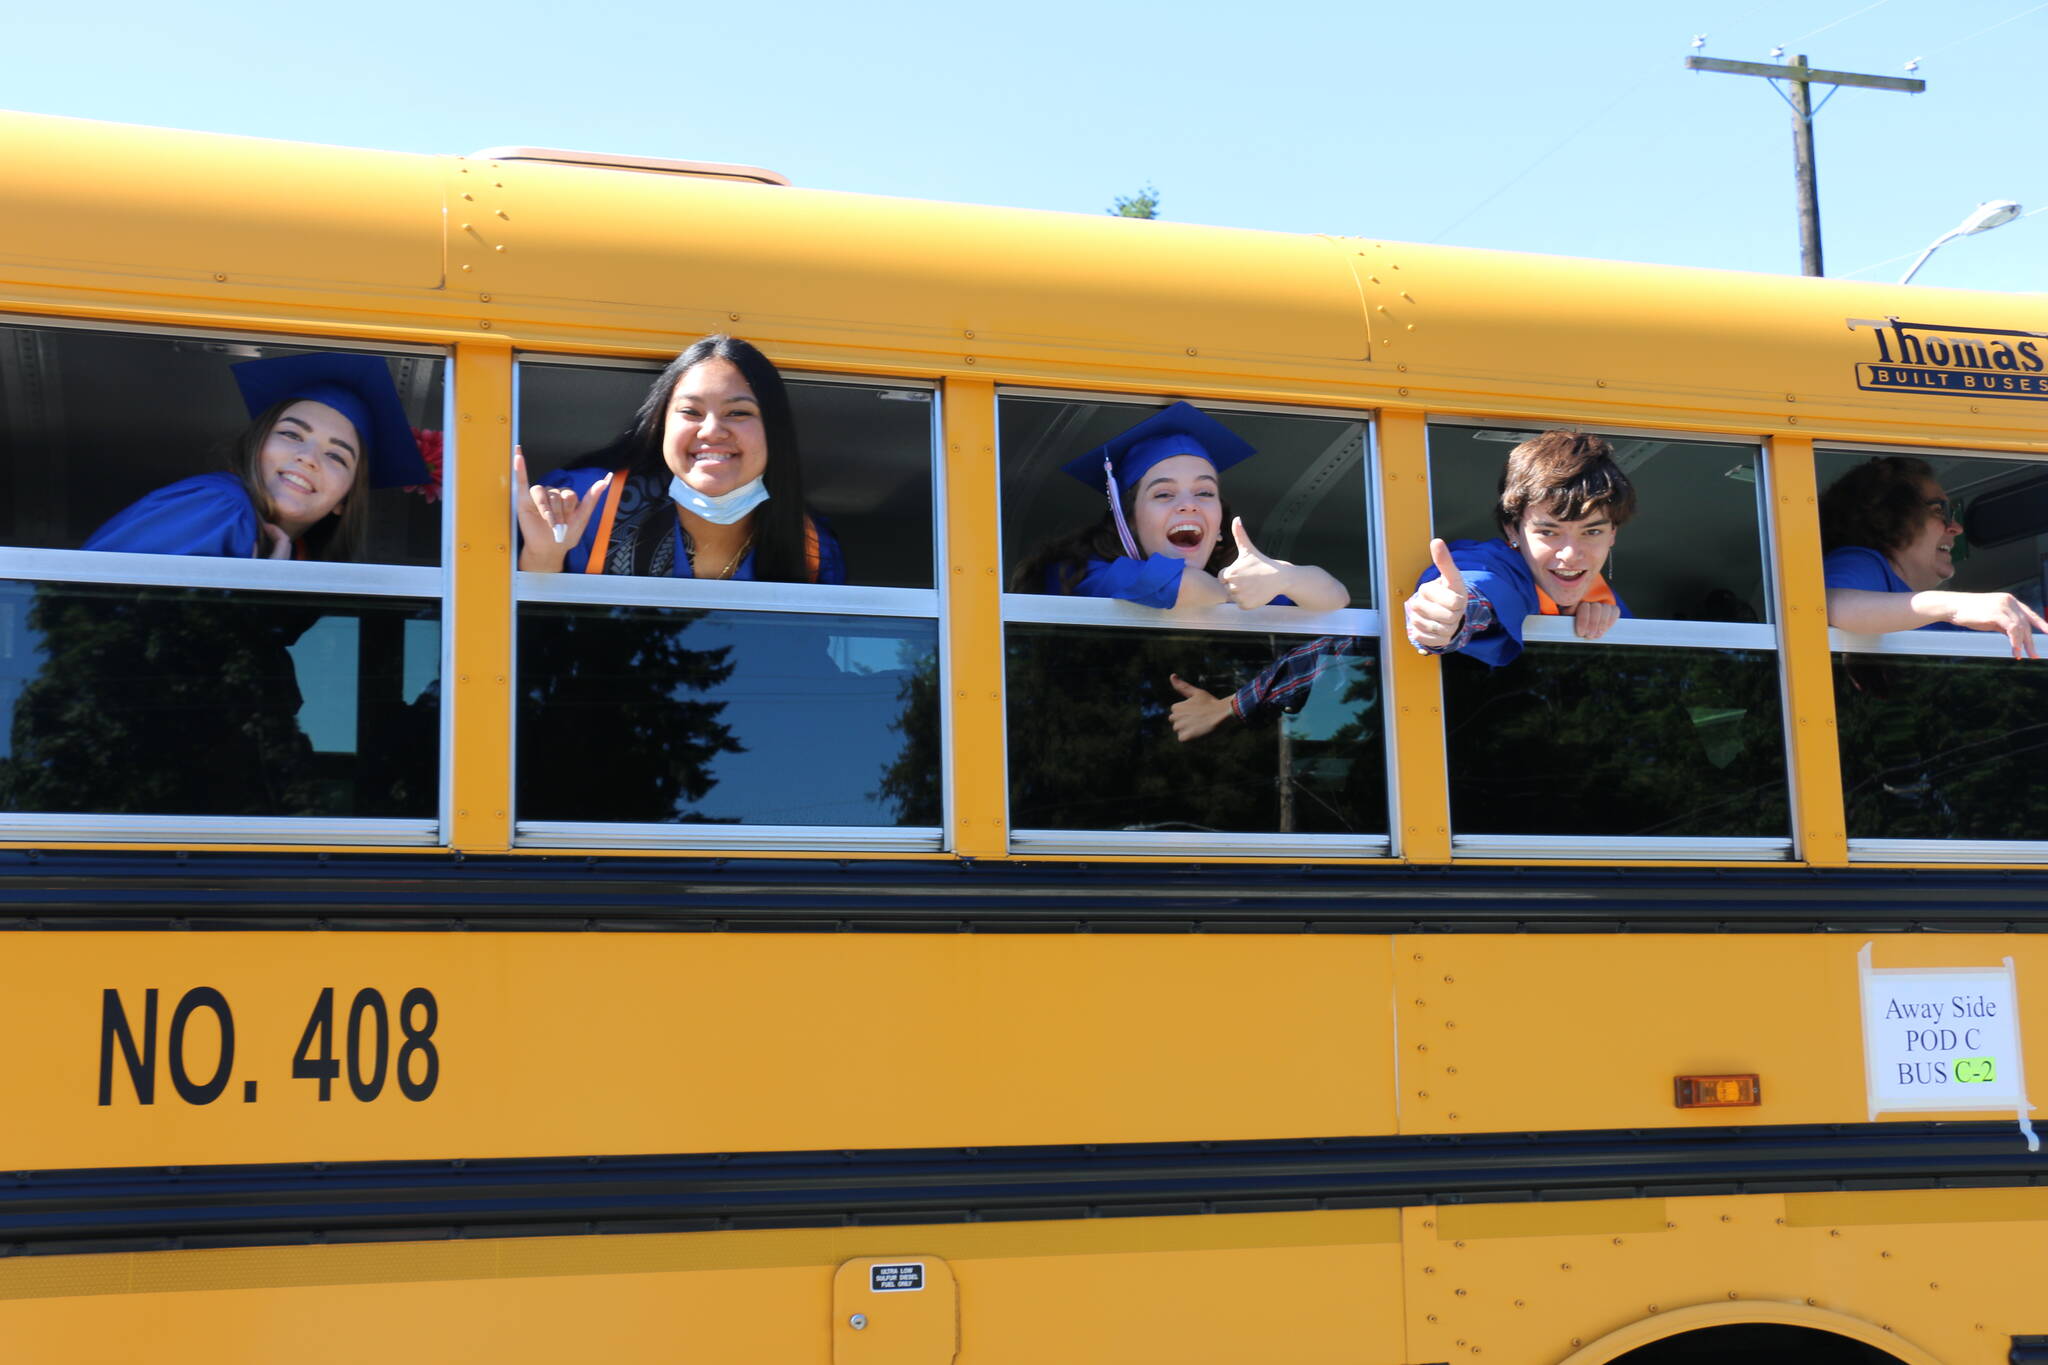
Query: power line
[
  {"x": 1839, "y": 22},
  {"x": 1903, "y": 255},
  {"x": 1553, "y": 150},
  {"x": 1945, "y": 47}
]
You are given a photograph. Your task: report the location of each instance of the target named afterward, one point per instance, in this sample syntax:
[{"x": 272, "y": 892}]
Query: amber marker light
[{"x": 1716, "y": 1092}]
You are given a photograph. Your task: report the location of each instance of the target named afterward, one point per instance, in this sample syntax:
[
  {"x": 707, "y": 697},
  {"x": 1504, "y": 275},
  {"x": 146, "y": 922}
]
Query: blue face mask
[{"x": 722, "y": 510}]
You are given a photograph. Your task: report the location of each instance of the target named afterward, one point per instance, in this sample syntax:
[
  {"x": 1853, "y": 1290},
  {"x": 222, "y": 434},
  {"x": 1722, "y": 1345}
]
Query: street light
[{"x": 1983, "y": 218}]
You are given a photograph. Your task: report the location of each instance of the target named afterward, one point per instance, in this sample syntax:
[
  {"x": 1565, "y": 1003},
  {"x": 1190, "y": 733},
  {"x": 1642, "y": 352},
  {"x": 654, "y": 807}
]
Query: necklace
[{"x": 731, "y": 565}]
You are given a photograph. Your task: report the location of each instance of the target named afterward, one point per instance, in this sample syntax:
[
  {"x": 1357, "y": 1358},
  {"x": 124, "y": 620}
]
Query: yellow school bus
[{"x": 417, "y": 959}]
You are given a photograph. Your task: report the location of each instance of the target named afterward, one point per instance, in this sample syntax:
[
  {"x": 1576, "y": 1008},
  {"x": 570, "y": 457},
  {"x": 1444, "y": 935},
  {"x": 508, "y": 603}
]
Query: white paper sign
[{"x": 1943, "y": 1038}]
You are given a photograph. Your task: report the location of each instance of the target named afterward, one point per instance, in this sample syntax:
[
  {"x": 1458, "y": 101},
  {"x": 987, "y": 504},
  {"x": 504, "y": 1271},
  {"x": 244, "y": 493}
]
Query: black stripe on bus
[
  {"x": 55, "y": 1212},
  {"x": 281, "y": 891}
]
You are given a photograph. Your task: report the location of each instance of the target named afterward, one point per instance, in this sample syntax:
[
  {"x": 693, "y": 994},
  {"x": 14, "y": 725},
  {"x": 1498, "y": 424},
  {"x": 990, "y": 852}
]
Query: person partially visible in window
[
  {"x": 325, "y": 427},
  {"x": 707, "y": 482},
  {"x": 1888, "y": 532},
  {"x": 1161, "y": 541},
  {"x": 1562, "y": 499}
]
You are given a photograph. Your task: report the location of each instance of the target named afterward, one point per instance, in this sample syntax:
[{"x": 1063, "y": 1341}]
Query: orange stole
[
  {"x": 812, "y": 553},
  {"x": 1599, "y": 592}
]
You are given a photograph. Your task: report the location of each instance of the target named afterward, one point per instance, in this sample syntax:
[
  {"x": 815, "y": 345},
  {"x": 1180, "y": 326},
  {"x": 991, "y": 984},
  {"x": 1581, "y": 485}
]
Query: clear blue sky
[{"x": 1570, "y": 129}]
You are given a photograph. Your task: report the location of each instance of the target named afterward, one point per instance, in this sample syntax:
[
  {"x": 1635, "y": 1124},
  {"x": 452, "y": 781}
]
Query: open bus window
[
  {"x": 211, "y": 702},
  {"x": 93, "y": 420},
  {"x": 867, "y": 453},
  {"x": 1101, "y": 749},
  {"x": 1939, "y": 728},
  {"x": 1660, "y": 731},
  {"x": 1692, "y": 552},
  {"x": 658, "y": 715},
  {"x": 1302, "y": 496}
]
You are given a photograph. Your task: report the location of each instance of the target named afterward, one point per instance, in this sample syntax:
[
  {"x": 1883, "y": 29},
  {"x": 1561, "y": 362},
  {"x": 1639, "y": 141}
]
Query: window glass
[
  {"x": 1692, "y": 552},
  {"x": 1938, "y": 747},
  {"x": 1941, "y": 748},
  {"x": 91, "y": 421},
  {"x": 666, "y": 715},
  {"x": 1092, "y": 746},
  {"x": 195, "y": 701},
  {"x": 1302, "y": 496},
  {"x": 867, "y": 454},
  {"x": 1617, "y": 740}
]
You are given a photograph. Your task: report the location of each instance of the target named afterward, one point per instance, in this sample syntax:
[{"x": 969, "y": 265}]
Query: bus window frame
[
  {"x": 416, "y": 582},
  {"x": 1364, "y": 622},
  {"x": 1935, "y": 644},
  {"x": 1656, "y": 633},
  {"x": 818, "y": 599}
]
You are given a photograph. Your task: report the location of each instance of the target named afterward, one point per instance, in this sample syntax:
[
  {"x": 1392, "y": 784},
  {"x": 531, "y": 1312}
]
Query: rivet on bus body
[
  {"x": 1577, "y": 1342},
  {"x": 1450, "y": 980},
  {"x": 1193, "y": 351},
  {"x": 1381, "y": 307},
  {"x": 1617, "y": 1241},
  {"x": 1933, "y": 1285},
  {"x": 465, "y": 227},
  {"x": 1727, "y": 1218},
  {"x": 1813, "y": 1303},
  {"x": 732, "y": 317},
  {"x": 1422, "y": 1047},
  {"x": 970, "y": 360},
  {"x": 1651, "y": 1306},
  {"x": 1457, "y": 1244},
  {"x": 1450, "y": 1071},
  {"x": 1518, "y": 1303},
  {"x": 1791, "y": 398},
  {"x": 1884, "y": 1255},
  {"x": 1733, "y": 1295},
  {"x": 1793, "y": 420},
  {"x": 462, "y": 812},
  {"x": 1429, "y": 1223},
  {"x": 1422, "y": 1094},
  {"x": 1429, "y": 1270},
  {"x": 1408, "y": 296},
  {"x": 1564, "y": 1265},
  {"x": 858, "y": 1322},
  {"x": 466, "y": 267},
  {"x": 483, "y": 298},
  {"x": 1402, "y": 367},
  {"x": 1834, "y": 1232},
  {"x": 484, "y": 323},
  {"x": 1601, "y": 382},
  {"x": 1432, "y": 1317},
  {"x": 1402, "y": 392},
  {"x": 467, "y": 195},
  {"x": 1454, "y": 1118},
  {"x": 221, "y": 277},
  {"x": 502, "y": 214},
  {"x": 968, "y": 335},
  {"x": 499, "y": 247},
  {"x": 1459, "y": 1292}
]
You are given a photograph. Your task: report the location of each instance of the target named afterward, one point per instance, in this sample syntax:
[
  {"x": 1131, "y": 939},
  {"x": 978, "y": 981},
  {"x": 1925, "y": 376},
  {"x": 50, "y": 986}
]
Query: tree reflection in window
[
  {"x": 1942, "y": 748},
  {"x": 1091, "y": 747},
  {"x": 1618, "y": 740},
  {"x": 187, "y": 701},
  {"x": 636, "y": 715}
]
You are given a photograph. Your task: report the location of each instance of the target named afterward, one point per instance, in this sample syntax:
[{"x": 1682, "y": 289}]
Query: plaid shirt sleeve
[
  {"x": 1478, "y": 620},
  {"x": 1285, "y": 683}
]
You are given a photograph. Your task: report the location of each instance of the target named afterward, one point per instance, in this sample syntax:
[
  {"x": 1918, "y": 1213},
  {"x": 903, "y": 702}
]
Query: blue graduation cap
[
  {"x": 1119, "y": 463},
  {"x": 358, "y": 387}
]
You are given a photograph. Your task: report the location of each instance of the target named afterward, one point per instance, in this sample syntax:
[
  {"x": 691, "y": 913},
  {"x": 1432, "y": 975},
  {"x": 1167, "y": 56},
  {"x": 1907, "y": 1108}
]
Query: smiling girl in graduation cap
[
  {"x": 324, "y": 428},
  {"x": 1161, "y": 542}
]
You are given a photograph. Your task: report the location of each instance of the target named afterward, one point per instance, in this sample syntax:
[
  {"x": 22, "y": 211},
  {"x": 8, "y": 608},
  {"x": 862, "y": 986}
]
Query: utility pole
[{"x": 1802, "y": 78}]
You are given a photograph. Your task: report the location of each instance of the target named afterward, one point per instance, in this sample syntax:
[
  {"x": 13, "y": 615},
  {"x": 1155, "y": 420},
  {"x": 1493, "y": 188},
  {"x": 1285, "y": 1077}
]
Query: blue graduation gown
[
  {"x": 831, "y": 561},
  {"x": 208, "y": 514},
  {"x": 1496, "y": 571}
]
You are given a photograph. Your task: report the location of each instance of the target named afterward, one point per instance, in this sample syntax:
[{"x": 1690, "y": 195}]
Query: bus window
[
  {"x": 655, "y": 715},
  {"x": 661, "y": 711},
  {"x": 92, "y": 420},
  {"x": 867, "y": 453},
  {"x": 1669, "y": 729},
  {"x": 1938, "y": 725},
  {"x": 127, "y": 701},
  {"x": 1133, "y": 727}
]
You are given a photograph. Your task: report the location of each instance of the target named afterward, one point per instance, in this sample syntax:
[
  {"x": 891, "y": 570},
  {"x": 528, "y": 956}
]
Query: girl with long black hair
[{"x": 706, "y": 483}]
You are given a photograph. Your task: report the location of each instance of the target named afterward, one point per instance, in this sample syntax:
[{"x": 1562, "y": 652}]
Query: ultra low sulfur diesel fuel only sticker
[{"x": 1943, "y": 1038}]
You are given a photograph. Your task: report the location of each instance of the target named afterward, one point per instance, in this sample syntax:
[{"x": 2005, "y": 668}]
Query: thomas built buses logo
[{"x": 1969, "y": 362}]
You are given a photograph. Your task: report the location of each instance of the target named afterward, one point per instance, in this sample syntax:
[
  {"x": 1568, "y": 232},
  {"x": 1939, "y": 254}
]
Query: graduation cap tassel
[{"x": 1116, "y": 509}]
